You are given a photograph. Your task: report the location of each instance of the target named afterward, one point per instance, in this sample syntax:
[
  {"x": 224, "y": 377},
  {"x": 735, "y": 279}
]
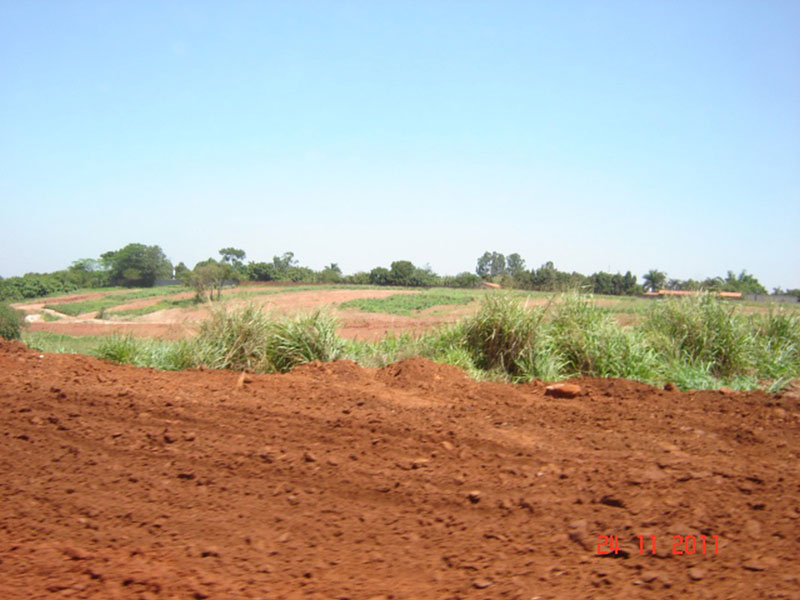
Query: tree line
[{"x": 139, "y": 265}]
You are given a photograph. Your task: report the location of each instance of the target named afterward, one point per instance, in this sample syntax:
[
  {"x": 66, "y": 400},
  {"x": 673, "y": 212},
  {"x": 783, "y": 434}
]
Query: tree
[
  {"x": 330, "y": 274},
  {"x": 515, "y": 265},
  {"x": 654, "y": 280},
  {"x": 234, "y": 257},
  {"x": 137, "y": 265},
  {"x": 181, "y": 270},
  {"x": 379, "y": 276},
  {"x": 484, "y": 265},
  {"x": 401, "y": 273},
  {"x": 207, "y": 276}
]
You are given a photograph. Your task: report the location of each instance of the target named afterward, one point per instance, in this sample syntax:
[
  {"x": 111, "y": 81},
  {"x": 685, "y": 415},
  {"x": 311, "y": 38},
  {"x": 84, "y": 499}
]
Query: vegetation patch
[
  {"x": 407, "y": 304},
  {"x": 11, "y": 322},
  {"x": 160, "y": 305},
  {"x": 80, "y": 307}
]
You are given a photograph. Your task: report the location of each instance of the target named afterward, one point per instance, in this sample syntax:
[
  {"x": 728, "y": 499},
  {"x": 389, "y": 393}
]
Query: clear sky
[{"x": 598, "y": 135}]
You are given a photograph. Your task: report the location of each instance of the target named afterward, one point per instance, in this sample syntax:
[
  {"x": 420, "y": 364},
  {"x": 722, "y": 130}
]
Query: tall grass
[
  {"x": 700, "y": 342},
  {"x": 702, "y": 330},
  {"x": 591, "y": 342},
  {"x": 245, "y": 339}
]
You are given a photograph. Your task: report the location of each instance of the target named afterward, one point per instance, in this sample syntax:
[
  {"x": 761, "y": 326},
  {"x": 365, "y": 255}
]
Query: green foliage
[
  {"x": 503, "y": 335},
  {"x": 234, "y": 340},
  {"x": 590, "y": 342},
  {"x": 11, "y": 322},
  {"x": 405, "y": 304},
  {"x": 654, "y": 280},
  {"x": 379, "y": 276},
  {"x": 701, "y": 330},
  {"x": 302, "y": 339},
  {"x": 136, "y": 265},
  {"x": 169, "y": 356}
]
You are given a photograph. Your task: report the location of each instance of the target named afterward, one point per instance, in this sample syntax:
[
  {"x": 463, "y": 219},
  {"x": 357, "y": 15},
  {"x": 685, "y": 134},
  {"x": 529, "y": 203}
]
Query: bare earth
[{"x": 410, "y": 481}]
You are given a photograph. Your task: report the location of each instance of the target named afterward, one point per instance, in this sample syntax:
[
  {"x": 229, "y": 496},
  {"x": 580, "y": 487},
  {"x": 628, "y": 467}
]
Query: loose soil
[{"x": 410, "y": 481}]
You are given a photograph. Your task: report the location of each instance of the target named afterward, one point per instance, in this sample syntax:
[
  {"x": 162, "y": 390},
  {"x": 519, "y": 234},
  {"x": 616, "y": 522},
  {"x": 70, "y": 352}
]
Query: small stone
[
  {"x": 563, "y": 390},
  {"x": 481, "y": 584},
  {"x": 754, "y": 565},
  {"x": 649, "y": 576},
  {"x": 420, "y": 462},
  {"x": 309, "y": 457},
  {"x": 448, "y": 446},
  {"x": 474, "y": 496},
  {"x": 696, "y": 573},
  {"x": 725, "y": 390},
  {"x": 669, "y": 387}
]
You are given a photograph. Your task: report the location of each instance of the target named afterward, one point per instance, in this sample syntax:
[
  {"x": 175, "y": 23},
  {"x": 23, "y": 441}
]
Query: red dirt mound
[
  {"x": 424, "y": 374},
  {"x": 339, "y": 482}
]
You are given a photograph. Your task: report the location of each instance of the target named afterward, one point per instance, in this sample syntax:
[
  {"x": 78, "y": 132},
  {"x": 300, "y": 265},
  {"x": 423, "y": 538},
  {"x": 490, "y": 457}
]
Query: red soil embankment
[{"x": 410, "y": 481}]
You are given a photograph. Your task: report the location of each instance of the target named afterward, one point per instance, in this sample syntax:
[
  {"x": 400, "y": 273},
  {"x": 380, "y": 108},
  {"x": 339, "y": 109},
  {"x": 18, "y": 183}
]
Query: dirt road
[{"x": 410, "y": 481}]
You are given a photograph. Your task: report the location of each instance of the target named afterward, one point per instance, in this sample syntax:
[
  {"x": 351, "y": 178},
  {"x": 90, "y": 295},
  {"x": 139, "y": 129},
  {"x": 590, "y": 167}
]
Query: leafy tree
[
  {"x": 402, "y": 273},
  {"x": 654, "y": 280},
  {"x": 261, "y": 271},
  {"x": 379, "y": 276},
  {"x": 208, "y": 276},
  {"x": 515, "y": 265},
  {"x": 359, "y": 278},
  {"x": 331, "y": 274},
  {"x": 484, "y": 265},
  {"x": 233, "y": 256},
  {"x": 137, "y": 265},
  {"x": 181, "y": 270}
]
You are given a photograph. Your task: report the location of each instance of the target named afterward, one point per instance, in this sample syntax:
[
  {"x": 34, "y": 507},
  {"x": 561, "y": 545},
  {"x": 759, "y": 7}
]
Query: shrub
[
  {"x": 234, "y": 340},
  {"x": 702, "y": 329},
  {"x": 11, "y": 322},
  {"x": 304, "y": 338},
  {"x": 504, "y": 335},
  {"x": 592, "y": 343}
]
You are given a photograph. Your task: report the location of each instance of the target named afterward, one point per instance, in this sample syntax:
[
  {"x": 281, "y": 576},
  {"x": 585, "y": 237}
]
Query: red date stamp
[{"x": 681, "y": 544}]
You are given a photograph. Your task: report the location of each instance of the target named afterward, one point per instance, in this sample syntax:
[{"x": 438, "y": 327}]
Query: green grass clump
[
  {"x": 301, "y": 339},
  {"x": 143, "y": 352},
  {"x": 245, "y": 339},
  {"x": 11, "y": 322},
  {"x": 702, "y": 330},
  {"x": 591, "y": 342},
  {"x": 44, "y": 341},
  {"x": 50, "y": 317},
  {"x": 407, "y": 304},
  {"x": 503, "y": 335}
]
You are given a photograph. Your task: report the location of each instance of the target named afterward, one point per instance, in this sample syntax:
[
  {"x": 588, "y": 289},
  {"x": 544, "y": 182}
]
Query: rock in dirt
[{"x": 563, "y": 390}]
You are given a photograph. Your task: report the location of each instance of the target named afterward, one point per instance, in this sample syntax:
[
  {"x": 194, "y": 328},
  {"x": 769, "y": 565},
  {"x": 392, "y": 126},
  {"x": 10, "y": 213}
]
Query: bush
[
  {"x": 234, "y": 340},
  {"x": 298, "y": 340},
  {"x": 11, "y": 322},
  {"x": 702, "y": 330},
  {"x": 592, "y": 343},
  {"x": 504, "y": 335}
]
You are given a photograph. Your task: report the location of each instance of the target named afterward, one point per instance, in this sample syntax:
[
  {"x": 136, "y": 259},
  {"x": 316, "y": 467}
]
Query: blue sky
[{"x": 597, "y": 135}]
